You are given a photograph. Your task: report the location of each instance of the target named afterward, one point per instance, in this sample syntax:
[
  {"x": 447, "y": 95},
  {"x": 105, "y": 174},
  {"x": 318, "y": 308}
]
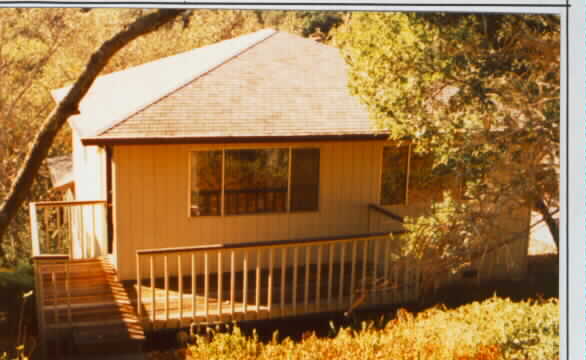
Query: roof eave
[
  {"x": 231, "y": 139},
  {"x": 62, "y": 187}
]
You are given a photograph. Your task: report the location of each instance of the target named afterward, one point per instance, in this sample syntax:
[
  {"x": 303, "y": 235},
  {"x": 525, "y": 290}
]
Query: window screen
[
  {"x": 394, "y": 175},
  {"x": 206, "y": 183},
  {"x": 304, "y": 179}
]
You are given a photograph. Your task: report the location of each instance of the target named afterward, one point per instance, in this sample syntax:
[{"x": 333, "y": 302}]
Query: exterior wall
[
  {"x": 151, "y": 194},
  {"x": 151, "y": 200},
  {"x": 89, "y": 174},
  {"x": 89, "y": 171}
]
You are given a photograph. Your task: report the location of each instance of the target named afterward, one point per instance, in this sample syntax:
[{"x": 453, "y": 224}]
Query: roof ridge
[{"x": 269, "y": 33}]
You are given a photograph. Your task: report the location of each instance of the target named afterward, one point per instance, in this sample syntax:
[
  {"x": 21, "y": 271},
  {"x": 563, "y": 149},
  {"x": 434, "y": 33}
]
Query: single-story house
[{"x": 242, "y": 180}]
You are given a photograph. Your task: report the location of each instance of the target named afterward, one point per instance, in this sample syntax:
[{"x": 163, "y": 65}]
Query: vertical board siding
[
  {"x": 152, "y": 199},
  {"x": 89, "y": 175},
  {"x": 149, "y": 203}
]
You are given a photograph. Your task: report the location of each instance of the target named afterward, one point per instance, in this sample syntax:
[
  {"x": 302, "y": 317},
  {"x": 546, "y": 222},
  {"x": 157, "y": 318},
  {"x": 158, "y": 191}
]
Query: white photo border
[{"x": 572, "y": 118}]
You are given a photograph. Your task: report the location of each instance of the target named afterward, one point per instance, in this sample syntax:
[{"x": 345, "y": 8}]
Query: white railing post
[
  {"x": 349, "y": 269},
  {"x": 219, "y": 286},
  {"x": 36, "y": 246},
  {"x": 283, "y": 278},
  {"x": 180, "y": 280},
  {"x": 270, "y": 283},
  {"x": 153, "y": 291},
  {"x": 138, "y": 288},
  {"x": 104, "y": 226}
]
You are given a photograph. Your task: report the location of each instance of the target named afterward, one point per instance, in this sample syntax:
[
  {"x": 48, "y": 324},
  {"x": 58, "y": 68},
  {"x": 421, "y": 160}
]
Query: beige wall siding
[
  {"x": 89, "y": 174},
  {"x": 152, "y": 192},
  {"x": 151, "y": 195},
  {"x": 89, "y": 171}
]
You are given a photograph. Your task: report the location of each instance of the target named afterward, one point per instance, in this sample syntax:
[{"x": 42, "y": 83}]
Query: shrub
[{"x": 494, "y": 329}]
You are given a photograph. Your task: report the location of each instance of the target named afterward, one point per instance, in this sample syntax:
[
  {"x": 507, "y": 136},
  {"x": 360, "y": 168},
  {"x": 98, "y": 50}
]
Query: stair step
[
  {"x": 92, "y": 323},
  {"x": 88, "y": 320},
  {"x": 102, "y": 319},
  {"x": 102, "y": 333},
  {"x": 75, "y": 306}
]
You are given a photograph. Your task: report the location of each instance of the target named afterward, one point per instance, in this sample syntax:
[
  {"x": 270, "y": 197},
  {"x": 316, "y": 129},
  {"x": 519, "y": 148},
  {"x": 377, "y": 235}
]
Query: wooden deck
[
  {"x": 331, "y": 292},
  {"x": 84, "y": 307},
  {"x": 180, "y": 286}
]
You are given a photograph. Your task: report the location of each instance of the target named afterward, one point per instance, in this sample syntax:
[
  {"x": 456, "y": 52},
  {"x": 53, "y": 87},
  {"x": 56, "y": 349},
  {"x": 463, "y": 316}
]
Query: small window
[
  {"x": 256, "y": 181},
  {"x": 305, "y": 179},
  {"x": 428, "y": 184},
  {"x": 206, "y": 183},
  {"x": 422, "y": 188},
  {"x": 394, "y": 175}
]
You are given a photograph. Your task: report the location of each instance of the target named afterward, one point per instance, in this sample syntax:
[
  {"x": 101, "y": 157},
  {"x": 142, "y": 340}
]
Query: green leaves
[
  {"x": 468, "y": 88},
  {"x": 493, "y": 329}
]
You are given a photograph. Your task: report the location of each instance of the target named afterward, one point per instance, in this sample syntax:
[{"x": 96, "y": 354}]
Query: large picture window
[
  {"x": 252, "y": 181},
  {"x": 255, "y": 181}
]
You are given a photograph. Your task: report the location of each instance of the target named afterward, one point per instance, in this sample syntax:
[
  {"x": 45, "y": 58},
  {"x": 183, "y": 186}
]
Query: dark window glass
[
  {"x": 427, "y": 184},
  {"x": 255, "y": 181},
  {"x": 305, "y": 179},
  {"x": 206, "y": 183},
  {"x": 394, "y": 175}
]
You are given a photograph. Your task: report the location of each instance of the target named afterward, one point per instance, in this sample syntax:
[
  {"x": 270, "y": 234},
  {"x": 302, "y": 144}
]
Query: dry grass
[{"x": 494, "y": 329}]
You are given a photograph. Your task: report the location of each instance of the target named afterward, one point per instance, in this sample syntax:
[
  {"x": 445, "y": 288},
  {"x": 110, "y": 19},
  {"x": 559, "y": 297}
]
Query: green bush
[
  {"x": 20, "y": 279},
  {"x": 494, "y": 329}
]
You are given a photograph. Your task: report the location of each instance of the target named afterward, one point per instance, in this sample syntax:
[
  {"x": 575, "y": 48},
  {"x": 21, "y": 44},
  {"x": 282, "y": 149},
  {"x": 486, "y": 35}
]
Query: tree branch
[{"x": 69, "y": 106}]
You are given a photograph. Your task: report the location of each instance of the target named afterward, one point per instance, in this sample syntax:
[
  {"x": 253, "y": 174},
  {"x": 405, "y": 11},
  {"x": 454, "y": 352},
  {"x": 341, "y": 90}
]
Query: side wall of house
[
  {"x": 89, "y": 175},
  {"x": 151, "y": 194},
  {"x": 89, "y": 169}
]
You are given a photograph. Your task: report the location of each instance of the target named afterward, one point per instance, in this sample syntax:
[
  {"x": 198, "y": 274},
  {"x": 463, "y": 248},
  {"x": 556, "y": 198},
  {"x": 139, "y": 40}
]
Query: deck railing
[
  {"x": 242, "y": 201},
  {"x": 382, "y": 219},
  {"x": 62, "y": 231},
  {"x": 52, "y": 289},
  {"x": 74, "y": 228},
  {"x": 261, "y": 280}
]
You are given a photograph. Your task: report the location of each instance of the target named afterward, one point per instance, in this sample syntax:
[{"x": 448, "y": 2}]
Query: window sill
[{"x": 305, "y": 212}]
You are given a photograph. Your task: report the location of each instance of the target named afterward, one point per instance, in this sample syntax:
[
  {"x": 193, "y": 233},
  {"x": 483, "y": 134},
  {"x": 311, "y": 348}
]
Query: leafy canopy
[{"x": 477, "y": 91}]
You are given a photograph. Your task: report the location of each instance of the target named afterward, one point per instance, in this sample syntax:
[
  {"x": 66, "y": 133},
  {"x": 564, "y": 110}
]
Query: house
[{"x": 236, "y": 181}]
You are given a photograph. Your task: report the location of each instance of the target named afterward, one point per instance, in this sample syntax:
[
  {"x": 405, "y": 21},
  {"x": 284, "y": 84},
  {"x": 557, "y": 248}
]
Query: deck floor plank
[{"x": 184, "y": 304}]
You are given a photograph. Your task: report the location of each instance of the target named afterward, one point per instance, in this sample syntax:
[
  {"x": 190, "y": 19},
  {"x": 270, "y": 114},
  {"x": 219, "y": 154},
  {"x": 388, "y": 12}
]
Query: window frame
[
  {"x": 254, "y": 147},
  {"x": 407, "y": 176}
]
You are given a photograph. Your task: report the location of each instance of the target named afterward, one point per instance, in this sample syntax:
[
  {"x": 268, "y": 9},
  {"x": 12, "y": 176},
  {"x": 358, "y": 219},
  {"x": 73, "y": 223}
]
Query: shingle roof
[{"x": 265, "y": 84}]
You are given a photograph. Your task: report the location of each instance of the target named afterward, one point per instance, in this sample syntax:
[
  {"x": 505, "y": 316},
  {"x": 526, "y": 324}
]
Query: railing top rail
[
  {"x": 386, "y": 212},
  {"x": 265, "y": 244},
  {"x": 51, "y": 257},
  {"x": 69, "y": 203}
]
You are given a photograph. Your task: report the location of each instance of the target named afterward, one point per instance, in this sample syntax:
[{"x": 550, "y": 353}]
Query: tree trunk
[
  {"x": 552, "y": 224},
  {"x": 69, "y": 106}
]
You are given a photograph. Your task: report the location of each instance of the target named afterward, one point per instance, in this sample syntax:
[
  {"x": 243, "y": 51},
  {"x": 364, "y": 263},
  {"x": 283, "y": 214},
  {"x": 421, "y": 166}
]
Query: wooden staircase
[{"x": 84, "y": 310}]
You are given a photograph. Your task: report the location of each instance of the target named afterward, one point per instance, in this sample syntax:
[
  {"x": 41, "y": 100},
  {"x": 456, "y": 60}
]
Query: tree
[
  {"x": 476, "y": 91},
  {"x": 69, "y": 106},
  {"x": 45, "y": 49}
]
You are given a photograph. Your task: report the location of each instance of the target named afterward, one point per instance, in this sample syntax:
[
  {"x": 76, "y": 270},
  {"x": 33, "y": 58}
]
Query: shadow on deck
[{"x": 84, "y": 309}]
